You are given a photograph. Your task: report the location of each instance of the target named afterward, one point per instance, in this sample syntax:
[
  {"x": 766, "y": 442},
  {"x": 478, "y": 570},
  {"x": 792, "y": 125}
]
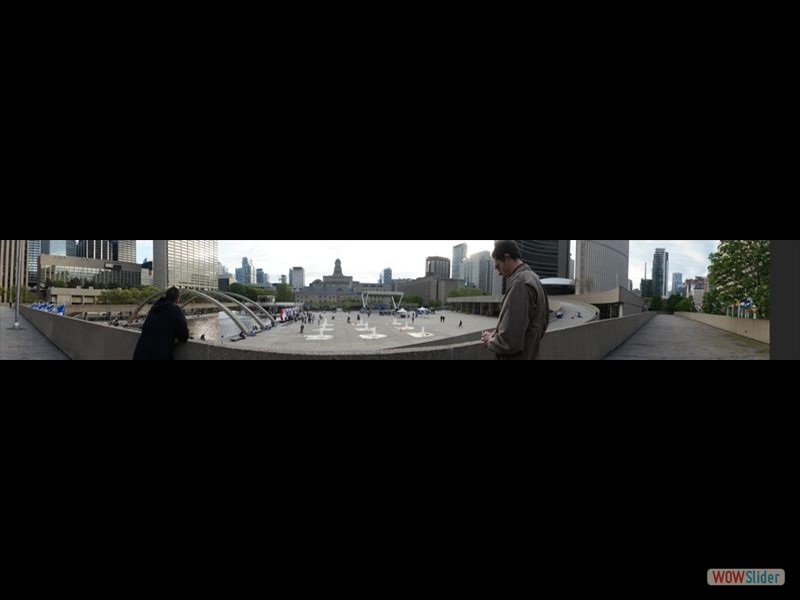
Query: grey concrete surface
[
  {"x": 95, "y": 341},
  {"x": 755, "y": 329},
  {"x": 26, "y": 344},
  {"x": 670, "y": 337}
]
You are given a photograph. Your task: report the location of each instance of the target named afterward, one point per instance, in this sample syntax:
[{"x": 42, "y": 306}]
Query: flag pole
[{"x": 19, "y": 279}]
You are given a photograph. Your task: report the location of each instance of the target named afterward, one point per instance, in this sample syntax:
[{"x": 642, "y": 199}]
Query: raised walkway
[
  {"x": 670, "y": 337},
  {"x": 26, "y": 344}
]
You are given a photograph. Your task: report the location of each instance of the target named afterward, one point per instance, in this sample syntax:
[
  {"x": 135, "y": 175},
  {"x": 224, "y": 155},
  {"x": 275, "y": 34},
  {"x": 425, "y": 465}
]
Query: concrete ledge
[
  {"x": 84, "y": 341},
  {"x": 754, "y": 329},
  {"x": 92, "y": 341},
  {"x": 593, "y": 341}
]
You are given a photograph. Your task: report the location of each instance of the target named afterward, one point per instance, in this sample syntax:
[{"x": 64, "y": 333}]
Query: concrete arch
[
  {"x": 135, "y": 313},
  {"x": 261, "y": 308},
  {"x": 195, "y": 295},
  {"x": 222, "y": 307},
  {"x": 228, "y": 297},
  {"x": 365, "y": 296}
]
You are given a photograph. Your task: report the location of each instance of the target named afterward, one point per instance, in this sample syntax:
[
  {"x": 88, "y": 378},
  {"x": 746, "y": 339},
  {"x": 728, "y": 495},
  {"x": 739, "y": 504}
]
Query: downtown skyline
[{"x": 366, "y": 259}]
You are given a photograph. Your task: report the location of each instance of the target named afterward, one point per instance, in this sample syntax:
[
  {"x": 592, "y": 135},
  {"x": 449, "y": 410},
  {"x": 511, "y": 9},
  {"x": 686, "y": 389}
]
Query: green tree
[
  {"x": 711, "y": 303},
  {"x": 673, "y": 302},
  {"x": 409, "y": 300},
  {"x": 238, "y": 288},
  {"x": 685, "y": 305},
  {"x": 25, "y": 295},
  {"x": 349, "y": 304},
  {"x": 284, "y": 293},
  {"x": 148, "y": 291},
  {"x": 656, "y": 303},
  {"x": 465, "y": 292},
  {"x": 127, "y": 295},
  {"x": 741, "y": 269}
]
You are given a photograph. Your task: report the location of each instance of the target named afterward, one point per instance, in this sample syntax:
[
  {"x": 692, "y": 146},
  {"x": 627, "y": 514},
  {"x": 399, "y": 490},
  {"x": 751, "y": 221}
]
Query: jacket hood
[{"x": 162, "y": 306}]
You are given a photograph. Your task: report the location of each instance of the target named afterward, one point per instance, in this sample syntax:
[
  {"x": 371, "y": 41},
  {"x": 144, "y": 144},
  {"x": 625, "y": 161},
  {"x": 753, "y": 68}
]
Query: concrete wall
[
  {"x": 593, "y": 341},
  {"x": 755, "y": 329},
  {"x": 91, "y": 341},
  {"x": 81, "y": 340}
]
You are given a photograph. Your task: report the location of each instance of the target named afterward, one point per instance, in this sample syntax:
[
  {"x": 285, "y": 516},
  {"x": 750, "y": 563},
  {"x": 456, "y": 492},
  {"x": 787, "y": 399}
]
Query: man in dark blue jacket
[{"x": 165, "y": 324}]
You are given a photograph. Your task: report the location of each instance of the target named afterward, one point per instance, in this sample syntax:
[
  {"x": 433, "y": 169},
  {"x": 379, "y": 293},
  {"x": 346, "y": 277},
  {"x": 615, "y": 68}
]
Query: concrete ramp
[{"x": 669, "y": 337}]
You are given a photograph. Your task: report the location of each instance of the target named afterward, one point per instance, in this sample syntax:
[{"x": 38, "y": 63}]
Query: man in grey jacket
[{"x": 525, "y": 313}]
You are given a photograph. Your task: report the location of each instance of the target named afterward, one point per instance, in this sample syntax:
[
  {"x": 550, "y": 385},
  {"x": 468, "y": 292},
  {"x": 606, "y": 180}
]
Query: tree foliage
[
  {"x": 657, "y": 303},
  {"x": 25, "y": 295},
  {"x": 251, "y": 291},
  {"x": 127, "y": 296},
  {"x": 741, "y": 269},
  {"x": 466, "y": 292},
  {"x": 284, "y": 293}
]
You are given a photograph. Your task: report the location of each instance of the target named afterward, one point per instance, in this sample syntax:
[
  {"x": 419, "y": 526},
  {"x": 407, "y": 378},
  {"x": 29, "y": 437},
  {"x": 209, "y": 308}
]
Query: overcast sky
[{"x": 366, "y": 259}]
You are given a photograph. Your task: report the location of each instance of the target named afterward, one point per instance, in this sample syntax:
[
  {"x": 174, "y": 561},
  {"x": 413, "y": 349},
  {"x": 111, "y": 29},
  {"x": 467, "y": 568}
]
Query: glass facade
[
  {"x": 34, "y": 250},
  {"x": 124, "y": 250},
  {"x": 548, "y": 258},
  {"x": 601, "y": 265},
  {"x": 58, "y": 247},
  {"x": 459, "y": 258},
  {"x": 660, "y": 272},
  {"x": 188, "y": 264},
  {"x": 120, "y": 250},
  {"x": 87, "y": 272},
  {"x": 97, "y": 249}
]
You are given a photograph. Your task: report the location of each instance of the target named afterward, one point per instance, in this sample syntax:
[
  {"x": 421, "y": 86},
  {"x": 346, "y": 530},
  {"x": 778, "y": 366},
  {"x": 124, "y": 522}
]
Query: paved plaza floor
[
  {"x": 669, "y": 337},
  {"x": 348, "y": 338},
  {"x": 25, "y": 344}
]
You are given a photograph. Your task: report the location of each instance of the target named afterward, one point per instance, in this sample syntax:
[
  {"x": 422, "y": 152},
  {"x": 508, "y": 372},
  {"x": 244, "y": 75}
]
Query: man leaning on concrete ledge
[
  {"x": 525, "y": 312},
  {"x": 165, "y": 325}
]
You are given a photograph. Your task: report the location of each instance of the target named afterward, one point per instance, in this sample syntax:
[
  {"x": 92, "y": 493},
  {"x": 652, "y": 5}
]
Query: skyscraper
[
  {"x": 58, "y": 247},
  {"x": 479, "y": 267},
  {"x": 8, "y": 266},
  {"x": 660, "y": 272},
  {"x": 261, "y": 277},
  {"x": 249, "y": 272},
  {"x": 548, "y": 258},
  {"x": 388, "y": 279},
  {"x": 437, "y": 266},
  {"x": 119, "y": 250},
  {"x": 601, "y": 265},
  {"x": 297, "y": 278},
  {"x": 677, "y": 283},
  {"x": 124, "y": 250},
  {"x": 186, "y": 264},
  {"x": 97, "y": 249},
  {"x": 34, "y": 250},
  {"x": 459, "y": 258}
]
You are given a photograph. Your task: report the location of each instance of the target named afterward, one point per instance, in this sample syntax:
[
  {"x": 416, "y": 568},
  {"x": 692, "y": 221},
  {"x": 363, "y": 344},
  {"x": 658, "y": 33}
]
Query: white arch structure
[
  {"x": 366, "y": 295},
  {"x": 196, "y": 294}
]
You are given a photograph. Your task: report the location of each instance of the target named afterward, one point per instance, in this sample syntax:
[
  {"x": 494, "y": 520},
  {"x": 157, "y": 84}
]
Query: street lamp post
[{"x": 19, "y": 279}]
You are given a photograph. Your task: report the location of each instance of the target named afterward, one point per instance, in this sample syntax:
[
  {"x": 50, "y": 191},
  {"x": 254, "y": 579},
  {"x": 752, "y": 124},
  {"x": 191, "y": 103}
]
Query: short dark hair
[
  {"x": 173, "y": 295},
  {"x": 503, "y": 247}
]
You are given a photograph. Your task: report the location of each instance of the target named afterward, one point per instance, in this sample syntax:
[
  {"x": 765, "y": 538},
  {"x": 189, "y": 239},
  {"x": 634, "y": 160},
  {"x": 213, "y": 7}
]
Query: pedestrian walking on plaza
[{"x": 525, "y": 312}]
